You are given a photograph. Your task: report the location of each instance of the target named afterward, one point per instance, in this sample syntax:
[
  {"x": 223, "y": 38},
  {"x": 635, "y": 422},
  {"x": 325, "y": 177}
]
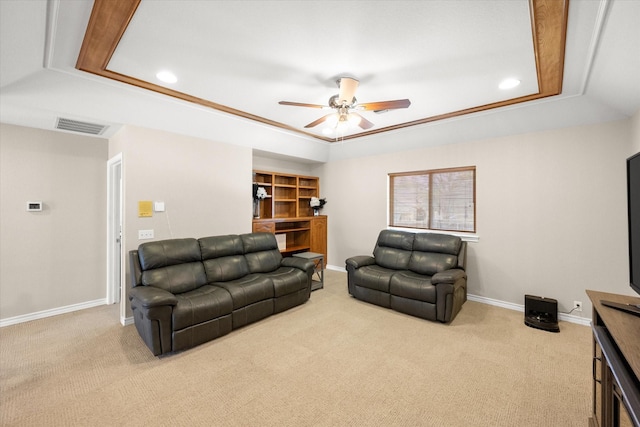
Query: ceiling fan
[{"x": 346, "y": 105}]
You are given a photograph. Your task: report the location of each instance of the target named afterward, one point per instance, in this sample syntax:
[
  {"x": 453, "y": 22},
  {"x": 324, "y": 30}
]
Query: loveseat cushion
[
  {"x": 373, "y": 277},
  {"x": 408, "y": 284},
  {"x": 393, "y": 249},
  {"x": 201, "y": 305},
  {"x": 223, "y": 258},
  {"x": 433, "y": 253},
  {"x": 261, "y": 252},
  {"x": 430, "y": 263},
  {"x": 434, "y": 242}
]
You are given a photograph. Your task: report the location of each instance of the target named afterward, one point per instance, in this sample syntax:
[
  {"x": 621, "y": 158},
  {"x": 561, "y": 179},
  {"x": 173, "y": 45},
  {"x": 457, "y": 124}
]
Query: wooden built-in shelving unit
[{"x": 286, "y": 212}]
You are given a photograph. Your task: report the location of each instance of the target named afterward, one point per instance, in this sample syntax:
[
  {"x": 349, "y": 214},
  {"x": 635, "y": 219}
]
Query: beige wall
[
  {"x": 550, "y": 210},
  {"x": 551, "y": 207},
  {"x": 282, "y": 166},
  {"x": 635, "y": 126},
  {"x": 205, "y": 185},
  {"x": 54, "y": 258}
]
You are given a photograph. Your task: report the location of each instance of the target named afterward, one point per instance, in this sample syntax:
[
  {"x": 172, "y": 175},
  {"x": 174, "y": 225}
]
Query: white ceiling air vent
[{"x": 80, "y": 127}]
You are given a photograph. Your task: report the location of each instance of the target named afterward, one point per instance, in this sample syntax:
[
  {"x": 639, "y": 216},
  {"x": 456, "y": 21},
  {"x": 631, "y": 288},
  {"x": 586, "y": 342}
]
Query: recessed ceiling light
[
  {"x": 166, "y": 76},
  {"x": 509, "y": 83}
]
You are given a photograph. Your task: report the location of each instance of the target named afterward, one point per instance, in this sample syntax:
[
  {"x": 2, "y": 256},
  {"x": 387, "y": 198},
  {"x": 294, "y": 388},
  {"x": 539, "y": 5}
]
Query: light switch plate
[
  {"x": 145, "y": 234},
  {"x": 158, "y": 206}
]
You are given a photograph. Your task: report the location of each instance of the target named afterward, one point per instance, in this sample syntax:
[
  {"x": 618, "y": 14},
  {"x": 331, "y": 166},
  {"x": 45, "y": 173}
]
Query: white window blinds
[{"x": 442, "y": 199}]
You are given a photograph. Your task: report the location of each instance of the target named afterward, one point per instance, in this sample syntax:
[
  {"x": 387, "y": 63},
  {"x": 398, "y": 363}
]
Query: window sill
[{"x": 467, "y": 237}]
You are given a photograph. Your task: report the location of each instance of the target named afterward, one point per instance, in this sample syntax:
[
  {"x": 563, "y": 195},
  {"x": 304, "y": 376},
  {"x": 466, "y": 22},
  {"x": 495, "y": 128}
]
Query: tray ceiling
[{"x": 241, "y": 58}]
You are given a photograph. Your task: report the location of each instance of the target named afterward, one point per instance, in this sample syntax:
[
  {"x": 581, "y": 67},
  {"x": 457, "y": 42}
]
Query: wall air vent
[{"x": 80, "y": 127}]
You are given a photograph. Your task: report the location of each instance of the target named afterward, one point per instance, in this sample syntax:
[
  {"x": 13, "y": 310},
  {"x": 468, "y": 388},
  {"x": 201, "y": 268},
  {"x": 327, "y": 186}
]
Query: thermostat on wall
[{"x": 34, "y": 206}]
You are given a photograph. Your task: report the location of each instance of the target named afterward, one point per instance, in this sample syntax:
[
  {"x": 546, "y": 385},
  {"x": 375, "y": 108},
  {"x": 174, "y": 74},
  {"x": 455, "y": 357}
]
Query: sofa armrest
[
  {"x": 300, "y": 263},
  {"x": 149, "y": 296},
  {"x": 360, "y": 261},
  {"x": 448, "y": 276}
]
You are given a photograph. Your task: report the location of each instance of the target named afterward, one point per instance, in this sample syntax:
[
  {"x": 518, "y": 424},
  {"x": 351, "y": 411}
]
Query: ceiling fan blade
[
  {"x": 384, "y": 105},
  {"x": 320, "y": 120},
  {"x": 364, "y": 123},
  {"x": 348, "y": 88},
  {"x": 300, "y": 104}
]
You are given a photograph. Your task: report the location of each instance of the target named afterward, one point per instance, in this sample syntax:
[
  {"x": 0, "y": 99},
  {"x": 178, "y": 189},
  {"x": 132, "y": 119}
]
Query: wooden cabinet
[
  {"x": 286, "y": 212},
  {"x": 616, "y": 363},
  {"x": 319, "y": 236},
  {"x": 307, "y": 234}
]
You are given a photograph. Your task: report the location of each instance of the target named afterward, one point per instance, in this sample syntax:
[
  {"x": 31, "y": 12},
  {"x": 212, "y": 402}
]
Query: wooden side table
[{"x": 318, "y": 261}]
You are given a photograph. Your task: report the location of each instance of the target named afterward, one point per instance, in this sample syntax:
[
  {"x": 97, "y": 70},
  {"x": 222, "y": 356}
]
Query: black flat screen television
[
  {"x": 633, "y": 204},
  {"x": 633, "y": 215}
]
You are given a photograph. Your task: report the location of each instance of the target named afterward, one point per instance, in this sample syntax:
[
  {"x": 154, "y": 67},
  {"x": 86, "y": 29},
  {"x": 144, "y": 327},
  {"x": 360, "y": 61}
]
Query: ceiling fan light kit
[{"x": 345, "y": 105}]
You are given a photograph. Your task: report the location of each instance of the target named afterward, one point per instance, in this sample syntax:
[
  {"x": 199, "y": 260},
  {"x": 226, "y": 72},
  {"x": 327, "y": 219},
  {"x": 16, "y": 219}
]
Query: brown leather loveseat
[
  {"x": 190, "y": 291},
  {"x": 421, "y": 274}
]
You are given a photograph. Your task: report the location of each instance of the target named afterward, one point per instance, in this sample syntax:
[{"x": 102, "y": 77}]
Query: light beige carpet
[{"x": 333, "y": 361}]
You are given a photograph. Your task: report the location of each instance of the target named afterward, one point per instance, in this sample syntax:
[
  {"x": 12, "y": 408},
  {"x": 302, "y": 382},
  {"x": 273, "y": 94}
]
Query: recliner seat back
[
  {"x": 223, "y": 258},
  {"x": 261, "y": 252},
  {"x": 393, "y": 249},
  {"x": 433, "y": 253},
  {"x": 173, "y": 265}
]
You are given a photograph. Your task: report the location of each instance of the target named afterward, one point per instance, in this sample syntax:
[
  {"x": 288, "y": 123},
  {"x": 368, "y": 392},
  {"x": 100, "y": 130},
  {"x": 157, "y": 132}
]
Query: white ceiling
[{"x": 442, "y": 55}]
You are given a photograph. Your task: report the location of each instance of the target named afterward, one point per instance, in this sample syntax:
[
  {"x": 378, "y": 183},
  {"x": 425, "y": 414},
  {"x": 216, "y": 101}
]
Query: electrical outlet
[
  {"x": 577, "y": 305},
  {"x": 145, "y": 234}
]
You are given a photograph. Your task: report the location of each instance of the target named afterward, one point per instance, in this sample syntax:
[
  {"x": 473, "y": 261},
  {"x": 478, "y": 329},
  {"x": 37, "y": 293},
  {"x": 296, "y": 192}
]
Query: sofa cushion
[
  {"x": 261, "y": 252},
  {"x": 248, "y": 289},
  {"x": 288, "y": 280},
  {"x": 223, "y": 258},
  {"x": 176, "y": 278},
  {"x": 163, "y": 253},
  {"x": 201, "y": 305},
  {"x": 408, "y": 284},
  {"x": 220, "y": 246}
]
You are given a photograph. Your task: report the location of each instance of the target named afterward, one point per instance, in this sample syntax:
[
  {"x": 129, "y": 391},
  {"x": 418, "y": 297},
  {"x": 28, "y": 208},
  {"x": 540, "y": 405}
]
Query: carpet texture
[{"x": 334, "y": 361}]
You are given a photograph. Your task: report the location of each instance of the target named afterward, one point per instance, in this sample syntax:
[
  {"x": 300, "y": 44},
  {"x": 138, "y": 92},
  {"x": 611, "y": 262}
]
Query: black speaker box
[{"x": 541, "y": 313}]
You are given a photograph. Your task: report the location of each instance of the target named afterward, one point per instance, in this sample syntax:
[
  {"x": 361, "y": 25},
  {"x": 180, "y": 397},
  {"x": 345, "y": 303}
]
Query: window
[{"x": 442, "y": 199}]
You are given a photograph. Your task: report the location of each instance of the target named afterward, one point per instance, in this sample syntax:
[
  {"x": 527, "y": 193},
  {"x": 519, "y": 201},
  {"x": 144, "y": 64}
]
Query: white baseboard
[
  {"x": 511, "y": 306},
  {"x": 51, "y": 312},
  {"x": 520, "y": 307},
  {"x": 129, "y": 320}
]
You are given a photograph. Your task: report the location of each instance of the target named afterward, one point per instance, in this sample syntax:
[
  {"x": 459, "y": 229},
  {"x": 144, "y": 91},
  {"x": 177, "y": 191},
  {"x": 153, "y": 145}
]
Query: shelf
[
  {"x": 287, "y": 230},
  {"x": 295, "y": 249}
]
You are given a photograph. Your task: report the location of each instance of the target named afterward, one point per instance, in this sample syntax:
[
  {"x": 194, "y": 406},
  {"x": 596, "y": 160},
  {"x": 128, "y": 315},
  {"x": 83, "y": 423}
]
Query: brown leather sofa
[
  {"x": 421, "y": 274},
  {"x": 187, "y": 291}
]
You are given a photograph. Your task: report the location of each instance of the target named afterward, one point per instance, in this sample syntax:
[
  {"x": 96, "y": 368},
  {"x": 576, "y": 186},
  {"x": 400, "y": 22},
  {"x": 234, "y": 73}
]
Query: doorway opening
[{"x": 115, "y": 260}]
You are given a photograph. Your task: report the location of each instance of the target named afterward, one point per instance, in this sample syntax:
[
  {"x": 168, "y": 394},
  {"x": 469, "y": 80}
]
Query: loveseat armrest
[
  {"x": 149, "y": 296},
  {"x": 303, "y": 264},
  {"x": 448, "y": 276},
  {"x": 358, "y": 261}
]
